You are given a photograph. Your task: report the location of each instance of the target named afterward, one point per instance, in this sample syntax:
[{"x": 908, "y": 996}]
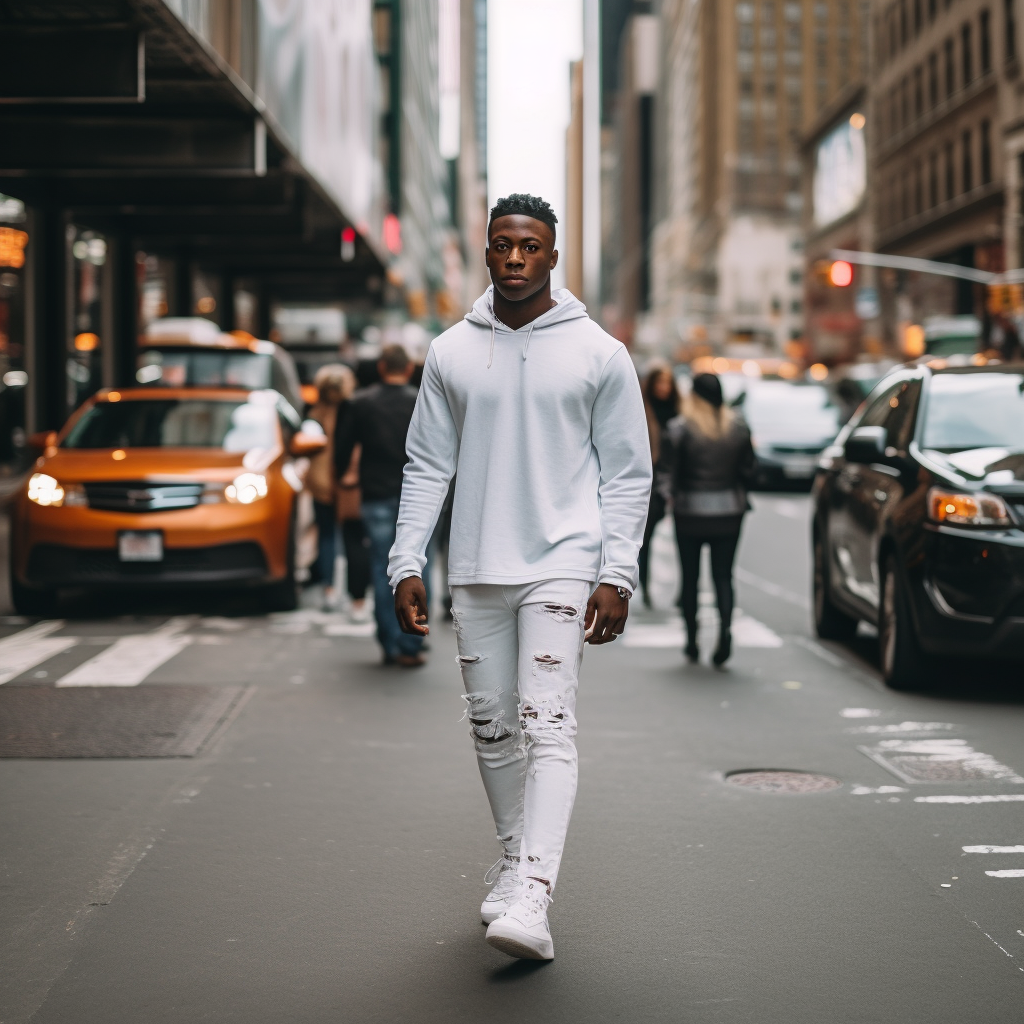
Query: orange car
[{"x": 163, "y": 486}]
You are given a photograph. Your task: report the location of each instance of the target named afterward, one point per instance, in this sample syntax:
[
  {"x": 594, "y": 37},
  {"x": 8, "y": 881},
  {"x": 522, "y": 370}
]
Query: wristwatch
[{"x": 624, "y": 593}]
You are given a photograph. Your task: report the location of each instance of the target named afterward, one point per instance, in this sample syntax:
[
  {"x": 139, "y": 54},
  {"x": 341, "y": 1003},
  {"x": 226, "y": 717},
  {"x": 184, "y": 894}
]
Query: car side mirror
[
  {"x": 307, "y": 444},
  {"x": 42, "y": 439},
  {"x": 866, "y": 445}
]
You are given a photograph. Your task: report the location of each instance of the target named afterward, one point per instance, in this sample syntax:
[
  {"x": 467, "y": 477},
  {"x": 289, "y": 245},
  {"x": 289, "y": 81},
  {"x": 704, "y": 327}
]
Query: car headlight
[
  {"x": 978, "y": 509},
  {"x": 44, "y": 490},
  {"x": 246, "y": 488}
]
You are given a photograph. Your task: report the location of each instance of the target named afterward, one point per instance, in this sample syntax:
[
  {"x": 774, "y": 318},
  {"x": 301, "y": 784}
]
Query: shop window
[
  {"x": 14, "y": 242},
  {"x": 89, "y": 316}
]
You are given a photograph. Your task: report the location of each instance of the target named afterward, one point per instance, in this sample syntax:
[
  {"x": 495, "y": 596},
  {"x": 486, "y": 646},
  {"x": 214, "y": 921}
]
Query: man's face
[{"x": 520, "y": 255}]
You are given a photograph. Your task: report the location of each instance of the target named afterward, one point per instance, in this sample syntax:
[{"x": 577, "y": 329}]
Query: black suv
[{"x": 919, "y": 519}]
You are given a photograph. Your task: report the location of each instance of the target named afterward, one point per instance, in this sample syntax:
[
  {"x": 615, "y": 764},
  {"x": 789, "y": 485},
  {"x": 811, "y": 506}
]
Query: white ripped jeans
[{"x": 520, "y": 649}]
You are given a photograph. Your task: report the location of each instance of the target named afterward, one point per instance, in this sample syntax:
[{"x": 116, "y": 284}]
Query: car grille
[
  {"x": 142, "y": 496},
  {"x": 790, "y": 449}
]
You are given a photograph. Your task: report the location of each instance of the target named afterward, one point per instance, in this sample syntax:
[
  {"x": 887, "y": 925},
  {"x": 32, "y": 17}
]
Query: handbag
[{"x": 348, "y": 497}]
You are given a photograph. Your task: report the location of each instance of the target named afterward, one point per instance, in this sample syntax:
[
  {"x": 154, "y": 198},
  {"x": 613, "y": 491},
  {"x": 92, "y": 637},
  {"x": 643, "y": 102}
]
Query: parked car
[
  {"x": 180, "y": 352},
  {"x": 919, "y": 519},
  {"x": 159, "y": 487},
  {"x": 791, "y": 423}
]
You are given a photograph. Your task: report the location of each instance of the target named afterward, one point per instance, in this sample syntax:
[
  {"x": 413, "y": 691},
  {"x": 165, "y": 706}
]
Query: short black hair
[{"x": 527, "y": 205}]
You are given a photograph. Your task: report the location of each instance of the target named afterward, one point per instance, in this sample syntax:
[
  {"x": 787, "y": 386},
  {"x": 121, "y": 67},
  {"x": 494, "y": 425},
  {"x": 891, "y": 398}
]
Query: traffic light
[{"x": 840, "y": 274}]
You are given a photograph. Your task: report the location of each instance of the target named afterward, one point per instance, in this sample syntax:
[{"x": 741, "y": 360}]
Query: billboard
[{"x": 840, "y": 171}]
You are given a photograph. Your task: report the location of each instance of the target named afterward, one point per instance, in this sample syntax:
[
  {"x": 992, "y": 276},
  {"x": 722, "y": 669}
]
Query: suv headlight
[
  {"x": 44, "y": 490},
  {"x": 246, "y": 488},
  {"x": 978, "y": 509}
]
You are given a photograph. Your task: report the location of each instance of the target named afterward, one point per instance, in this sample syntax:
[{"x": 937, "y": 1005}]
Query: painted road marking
[
  {"x": 1010, "y": 873},
  {"x": 22, "y": 651},
  {"x": 902, "y": 727},
  {"x": 993, "y": 849},
  {"x": 128, "y": 661},
  {"x": 988, "y": 798},
  {"x": 860, "y": 712},
  {"x": 746, "y": 632},
  {"x": 773, "y": 589},
  {"x": 940, "y": 760}
]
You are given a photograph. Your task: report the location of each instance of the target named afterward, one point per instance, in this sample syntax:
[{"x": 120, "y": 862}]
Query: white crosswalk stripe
[
  {"x": 31, "y": 647},
  {"x": 131, "y": 659}
]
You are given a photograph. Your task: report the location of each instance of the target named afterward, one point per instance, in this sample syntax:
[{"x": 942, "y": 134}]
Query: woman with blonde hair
[
  {"x": 335, "y": 384},
  {"x": 710, "y": 458}
]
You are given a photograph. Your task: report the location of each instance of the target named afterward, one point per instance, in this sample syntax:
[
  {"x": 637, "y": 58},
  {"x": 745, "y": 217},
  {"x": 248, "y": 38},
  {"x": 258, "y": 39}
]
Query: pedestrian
[
  {"x": 540, "y": 413},
  {"x": 661, "y": 404},
  {"x": 710, "y": 459},
  {"x": 334, "y": 383},
  {"x": 377, "y": 421}
]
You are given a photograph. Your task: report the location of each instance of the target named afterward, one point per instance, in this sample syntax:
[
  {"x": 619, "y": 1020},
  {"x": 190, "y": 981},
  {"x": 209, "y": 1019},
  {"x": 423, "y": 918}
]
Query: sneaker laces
[
  {"x": 503, "y": 875},
  {"x": 534, "y": 899}
]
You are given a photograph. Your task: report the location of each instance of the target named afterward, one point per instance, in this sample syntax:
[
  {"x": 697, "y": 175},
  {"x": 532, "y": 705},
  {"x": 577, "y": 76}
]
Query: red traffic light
[{"x": 840, "y": 274}]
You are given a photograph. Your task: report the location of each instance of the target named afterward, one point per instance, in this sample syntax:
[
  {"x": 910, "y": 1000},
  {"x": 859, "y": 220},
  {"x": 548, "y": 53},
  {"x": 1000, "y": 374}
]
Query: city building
[
  {"x": 203, "y": 158},
  {"x": 945, "y": 145}
]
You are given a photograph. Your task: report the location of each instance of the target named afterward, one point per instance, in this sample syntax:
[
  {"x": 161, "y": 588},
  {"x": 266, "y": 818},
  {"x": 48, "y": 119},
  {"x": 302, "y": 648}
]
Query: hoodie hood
[{"x": 567, "y": 307}]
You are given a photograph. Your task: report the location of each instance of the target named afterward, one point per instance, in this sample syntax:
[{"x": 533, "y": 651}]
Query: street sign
[{"x": 866, "y": 304}]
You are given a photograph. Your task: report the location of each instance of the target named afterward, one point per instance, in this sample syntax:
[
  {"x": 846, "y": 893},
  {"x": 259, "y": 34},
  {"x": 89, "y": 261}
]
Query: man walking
[
  {"x": 540, "y": 413},
  {"x": 377, "y": 420}
]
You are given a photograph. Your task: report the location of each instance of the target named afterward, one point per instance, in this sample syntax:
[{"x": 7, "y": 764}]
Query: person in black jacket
[
  {"x": 377, "y": 419},
  {"x": 710, "y": 458}
]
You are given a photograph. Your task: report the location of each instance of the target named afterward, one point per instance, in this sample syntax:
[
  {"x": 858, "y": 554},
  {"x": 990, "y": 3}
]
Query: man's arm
[
  {"x": 432, "y": 447},
  {"x": 619, "y": 434},
  {"x": 344, "y": 438}
]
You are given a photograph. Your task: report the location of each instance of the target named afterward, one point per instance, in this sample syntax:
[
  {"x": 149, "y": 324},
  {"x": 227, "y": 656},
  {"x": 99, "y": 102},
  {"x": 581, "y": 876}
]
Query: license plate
[
  {"x": 140, "y": 546},
  {"x": 799, "y": 467}
]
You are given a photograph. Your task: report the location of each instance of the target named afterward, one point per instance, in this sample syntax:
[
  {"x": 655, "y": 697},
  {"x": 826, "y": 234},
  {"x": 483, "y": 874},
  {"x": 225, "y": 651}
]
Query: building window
[
  {"x": 933, "y": 79},
  {"x": 903, "y": 23},
  {"x": 965, "y": 52},
  {"x": 950, "y": 172},
  {"x": 918, "y": 189},
  {"x": 917, "y": 17},
  {"x": 1011, "y": 29},
  {"x": 893, "y": 43},
  {"x": 933, "y": 9},
  {"x": 905, "y": 102},
  {"x": 918, "y": 92},
  {"x": 984, "y": 43},
  {"x": 950, "y": 74},
  {"x": 968, "y": 165},
  {"x": 986, "y": 152},
  {"x": 933, "y": 179}
]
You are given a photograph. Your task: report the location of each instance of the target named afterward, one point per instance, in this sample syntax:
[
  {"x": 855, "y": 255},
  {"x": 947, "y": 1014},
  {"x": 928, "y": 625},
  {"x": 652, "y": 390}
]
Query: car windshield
[
  {"x": 777, "y": 407},
  {"x": 178, "y": 368},
  {"x": 175, "y": 423},
  {"x": 975, "y": 410}
]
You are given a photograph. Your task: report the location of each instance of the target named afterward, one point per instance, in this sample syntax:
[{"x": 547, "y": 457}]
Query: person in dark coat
[
  {"x": 661, "y": 404},
  {"x": 711, "y": 459}
]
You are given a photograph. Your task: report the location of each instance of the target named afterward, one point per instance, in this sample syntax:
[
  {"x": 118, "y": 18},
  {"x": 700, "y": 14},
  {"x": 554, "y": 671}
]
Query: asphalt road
[{"x": 322, "y": 858}]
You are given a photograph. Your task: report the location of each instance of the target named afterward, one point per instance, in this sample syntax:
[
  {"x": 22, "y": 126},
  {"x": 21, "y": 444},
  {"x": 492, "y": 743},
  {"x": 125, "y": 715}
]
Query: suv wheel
[
  {"x": 829, "y": 622},
  {"x": 899, "y": 654}
]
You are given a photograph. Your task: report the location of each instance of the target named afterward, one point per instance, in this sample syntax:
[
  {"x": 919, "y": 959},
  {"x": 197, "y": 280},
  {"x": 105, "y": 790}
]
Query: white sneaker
[
  {"x": 507, "y": 884},
  {"x": 522, "y": 931}
]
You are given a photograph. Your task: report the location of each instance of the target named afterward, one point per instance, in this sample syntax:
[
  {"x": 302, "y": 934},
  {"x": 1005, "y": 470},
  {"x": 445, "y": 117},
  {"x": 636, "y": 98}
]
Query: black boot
[
  {"x": 691, "y": 650},
  {"x": 724, "y": 649}
]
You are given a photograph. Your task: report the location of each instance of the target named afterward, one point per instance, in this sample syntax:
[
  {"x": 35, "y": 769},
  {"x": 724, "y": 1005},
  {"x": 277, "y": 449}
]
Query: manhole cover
[
  {"x": 112, "y": 721},
  {"x": 772, "y": 780}
]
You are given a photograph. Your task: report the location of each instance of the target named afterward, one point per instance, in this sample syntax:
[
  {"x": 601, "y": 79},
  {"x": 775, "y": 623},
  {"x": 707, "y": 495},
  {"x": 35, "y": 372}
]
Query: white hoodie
[{"x": 545, "y": 427}]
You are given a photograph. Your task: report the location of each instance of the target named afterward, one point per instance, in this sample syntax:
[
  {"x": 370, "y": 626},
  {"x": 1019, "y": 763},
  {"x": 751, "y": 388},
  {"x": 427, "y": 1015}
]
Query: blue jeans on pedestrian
[{"x": 381, "y": 521}]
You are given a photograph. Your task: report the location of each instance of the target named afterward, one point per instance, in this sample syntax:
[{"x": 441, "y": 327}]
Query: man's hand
[
  {"x": 606, "y": 614},
  {"x": 411, "y": 606}
]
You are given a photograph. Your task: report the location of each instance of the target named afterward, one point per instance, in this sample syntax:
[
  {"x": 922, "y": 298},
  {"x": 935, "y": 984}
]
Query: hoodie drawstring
[
  {"x": 528, "y": 337},
  {"x": 490, "y": 358}
]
